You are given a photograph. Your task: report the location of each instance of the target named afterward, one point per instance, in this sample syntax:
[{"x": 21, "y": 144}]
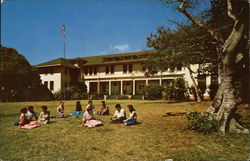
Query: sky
[{"x": 92, "y": 27}]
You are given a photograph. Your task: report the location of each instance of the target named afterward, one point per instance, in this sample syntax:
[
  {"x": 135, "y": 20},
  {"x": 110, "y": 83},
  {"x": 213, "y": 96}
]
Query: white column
[
  {"x": 121, "y": 87},
  {"x": 109, "y": 87},
  {"x": 146, "y": 82},
  {"x": 88, "y": 86},
  {"x": 208, "y": 83},
  {"x": 98, "y": 86},
  {"x": 133, "y": 87},
  {"x": 160, "y": 81}
]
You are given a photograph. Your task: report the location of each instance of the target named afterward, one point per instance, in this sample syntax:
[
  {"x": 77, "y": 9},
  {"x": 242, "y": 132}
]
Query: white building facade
[{"x": 119, "y": 74}]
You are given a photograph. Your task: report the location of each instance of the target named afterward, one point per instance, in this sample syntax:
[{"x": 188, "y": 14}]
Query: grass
[{"x": 155, "y": 138}]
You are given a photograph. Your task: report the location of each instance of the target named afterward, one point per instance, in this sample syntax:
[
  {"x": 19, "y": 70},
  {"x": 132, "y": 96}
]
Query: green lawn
[{"x": 155, "y": 138}]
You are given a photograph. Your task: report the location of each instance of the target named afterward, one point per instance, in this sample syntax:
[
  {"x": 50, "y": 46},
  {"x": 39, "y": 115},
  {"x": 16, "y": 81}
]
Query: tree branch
[{"x": 215, "y": 35}]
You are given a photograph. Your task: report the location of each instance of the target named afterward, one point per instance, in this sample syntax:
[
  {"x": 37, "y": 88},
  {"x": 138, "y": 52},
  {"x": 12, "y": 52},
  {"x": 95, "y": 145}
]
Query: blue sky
[{"x": 93, "y": 27}]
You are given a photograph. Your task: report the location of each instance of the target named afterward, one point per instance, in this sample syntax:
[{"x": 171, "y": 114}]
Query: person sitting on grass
[
  {"x": 91, "y": 105},
  {"x": 23, "y": 118},
  {"x": 44, "y": 115},
  {"x": 132, "y": 116},
  {"x": 31, "y": 113},
  {"x": 24, "y": 122},
  {"x": 104, "y": 109},
  {"x": 89, "y": 120},
  {"x": 60, "y": 111},
  {"x": 119, "y": 115},
  {"x": 78, "y": 110}
]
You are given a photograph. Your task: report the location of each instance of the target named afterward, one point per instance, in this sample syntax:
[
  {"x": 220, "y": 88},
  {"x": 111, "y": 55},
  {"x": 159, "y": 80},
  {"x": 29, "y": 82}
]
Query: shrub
[
  {"x": 176, "y": 90},
  {"x": 96, "y": 96},
  {"x": 70, "y": 93},
  {"x": 153, "y": 91},
  {"x": 122, "y": 97},
  {"x": 202, "y": 122}
]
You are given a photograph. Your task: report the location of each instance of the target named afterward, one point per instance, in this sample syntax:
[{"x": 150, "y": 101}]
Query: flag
[{"x": 63, "y": 30}]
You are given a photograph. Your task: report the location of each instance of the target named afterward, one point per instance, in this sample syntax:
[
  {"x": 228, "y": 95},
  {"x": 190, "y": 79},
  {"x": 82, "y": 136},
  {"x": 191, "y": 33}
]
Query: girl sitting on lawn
[
  {"x": 31, "y": 113},
  {"x": 44, "y": 115},
  {"x": 89, "y": 120},
  {"x": 132, "y": 116},
  {"x": 24, "y": 122},
  {"x": 90, "y": 104},
  {"x": 104, "y": 110},
  {"x": 60, "y": 111},
  {"x": 78, "y": 110}
]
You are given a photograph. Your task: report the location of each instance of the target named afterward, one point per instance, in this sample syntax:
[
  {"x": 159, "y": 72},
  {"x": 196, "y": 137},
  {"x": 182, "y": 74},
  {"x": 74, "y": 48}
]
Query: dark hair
[
  {"x": 30, "y": 107},
  {"x": 78, "y": 106},
  {"x": 90, "y": 101},
  {"x": 103, "y": 102},
  {"x": 44, "y": 107},
  {"x": 23, "y": 110},
  {"x": 131, "y": 108},
  {"x": 117, "y": 106}
]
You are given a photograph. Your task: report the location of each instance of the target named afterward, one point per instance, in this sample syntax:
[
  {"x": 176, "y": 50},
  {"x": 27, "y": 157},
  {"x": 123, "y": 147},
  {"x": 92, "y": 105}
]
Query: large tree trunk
[{"x": 224, "y": 104}]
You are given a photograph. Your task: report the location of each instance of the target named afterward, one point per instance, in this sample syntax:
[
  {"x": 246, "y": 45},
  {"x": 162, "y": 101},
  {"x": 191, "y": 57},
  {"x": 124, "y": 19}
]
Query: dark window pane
[
  {"x": 130, "y": 68},
  {"x": 51, "y": 85},
  {"x": 125, "y": 68},
  {"x": 95, "y": 70},
  {"x": 90, "y": 70},
  {"x": 86, "y": 71},
  {"x": 107, "y": 69},
  {"x": 112, "y": 69}
]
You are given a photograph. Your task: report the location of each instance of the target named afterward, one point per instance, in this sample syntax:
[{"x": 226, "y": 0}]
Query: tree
[
  {"x": 176, "y": 49},
  {"x": 19, "y": 80},
  {"x": 228, "y": 50}
]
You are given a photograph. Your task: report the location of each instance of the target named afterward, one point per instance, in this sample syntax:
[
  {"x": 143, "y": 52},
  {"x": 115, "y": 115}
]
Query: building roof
[
  {"x": 57, "y": 62},
  {"x": 99, "y": 60},
  {"x": 114, "y": 58}
]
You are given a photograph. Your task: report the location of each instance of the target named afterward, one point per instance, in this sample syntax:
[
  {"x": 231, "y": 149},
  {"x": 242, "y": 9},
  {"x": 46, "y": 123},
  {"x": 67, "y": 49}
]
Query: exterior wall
[{"x": 56, "y": 77}]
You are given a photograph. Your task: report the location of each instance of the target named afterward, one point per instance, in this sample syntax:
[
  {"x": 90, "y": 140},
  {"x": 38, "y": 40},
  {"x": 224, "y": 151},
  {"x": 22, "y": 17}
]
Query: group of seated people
[{"x": 29, "y": 119}]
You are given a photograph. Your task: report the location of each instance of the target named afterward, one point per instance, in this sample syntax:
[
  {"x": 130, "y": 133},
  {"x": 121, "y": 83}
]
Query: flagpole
[{"x": 64, "y": 55}]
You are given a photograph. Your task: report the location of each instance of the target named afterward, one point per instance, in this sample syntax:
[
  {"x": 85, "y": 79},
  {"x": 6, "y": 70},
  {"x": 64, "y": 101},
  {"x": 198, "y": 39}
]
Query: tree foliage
[{"x": 19, "y": 80}]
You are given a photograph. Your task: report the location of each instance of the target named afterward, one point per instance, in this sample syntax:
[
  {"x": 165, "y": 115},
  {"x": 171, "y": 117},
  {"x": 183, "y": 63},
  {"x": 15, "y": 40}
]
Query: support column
[
  {"x": 133, "y": 87},
  {"x": 160, "y": 81},
  {"x": 121, "y": 87},
  {"x": 208, "y": 83},
  {"x": 98, "y": 86},
  {"x": 146, "y": 82},
  {"x": 110, "y": 88},
  {"x": 88, "y": 86}
]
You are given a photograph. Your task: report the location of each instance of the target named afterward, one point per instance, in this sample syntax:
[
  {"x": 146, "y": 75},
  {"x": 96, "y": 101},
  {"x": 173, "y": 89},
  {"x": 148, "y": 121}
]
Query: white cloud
[
  {"x": 120, "y": 48},
  {"x": 2, "y": 1}
]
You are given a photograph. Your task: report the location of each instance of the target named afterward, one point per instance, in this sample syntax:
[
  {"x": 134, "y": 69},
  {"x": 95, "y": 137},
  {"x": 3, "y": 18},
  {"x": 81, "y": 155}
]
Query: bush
[
  {"x": 96, "y": 96},
  {"x": 70, "y": 93},
  {"x": 176, "y": 90},
  {"x": 122, "y": 97},
  {"x": 153, "y": 92},
  {"x": 202, "y": 122}
]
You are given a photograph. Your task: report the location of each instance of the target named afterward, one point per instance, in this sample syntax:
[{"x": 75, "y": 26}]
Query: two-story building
[{"x": 116, "y": 74}]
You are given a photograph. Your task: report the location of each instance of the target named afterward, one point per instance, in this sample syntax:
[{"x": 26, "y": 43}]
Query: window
[
  {"x": 112, "y": 70},
  {"x": 95, "y": 70},
  {"x": 107, "y": 69},
  {"x": 86, "y": 71},
  {"x": 130, "y": 68},
  {"x": 51, "y": 85},
  {"x": 125, "y": 68},
  {"x": 90, "y": 71},
  {"x": 46, "y": 84}
]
